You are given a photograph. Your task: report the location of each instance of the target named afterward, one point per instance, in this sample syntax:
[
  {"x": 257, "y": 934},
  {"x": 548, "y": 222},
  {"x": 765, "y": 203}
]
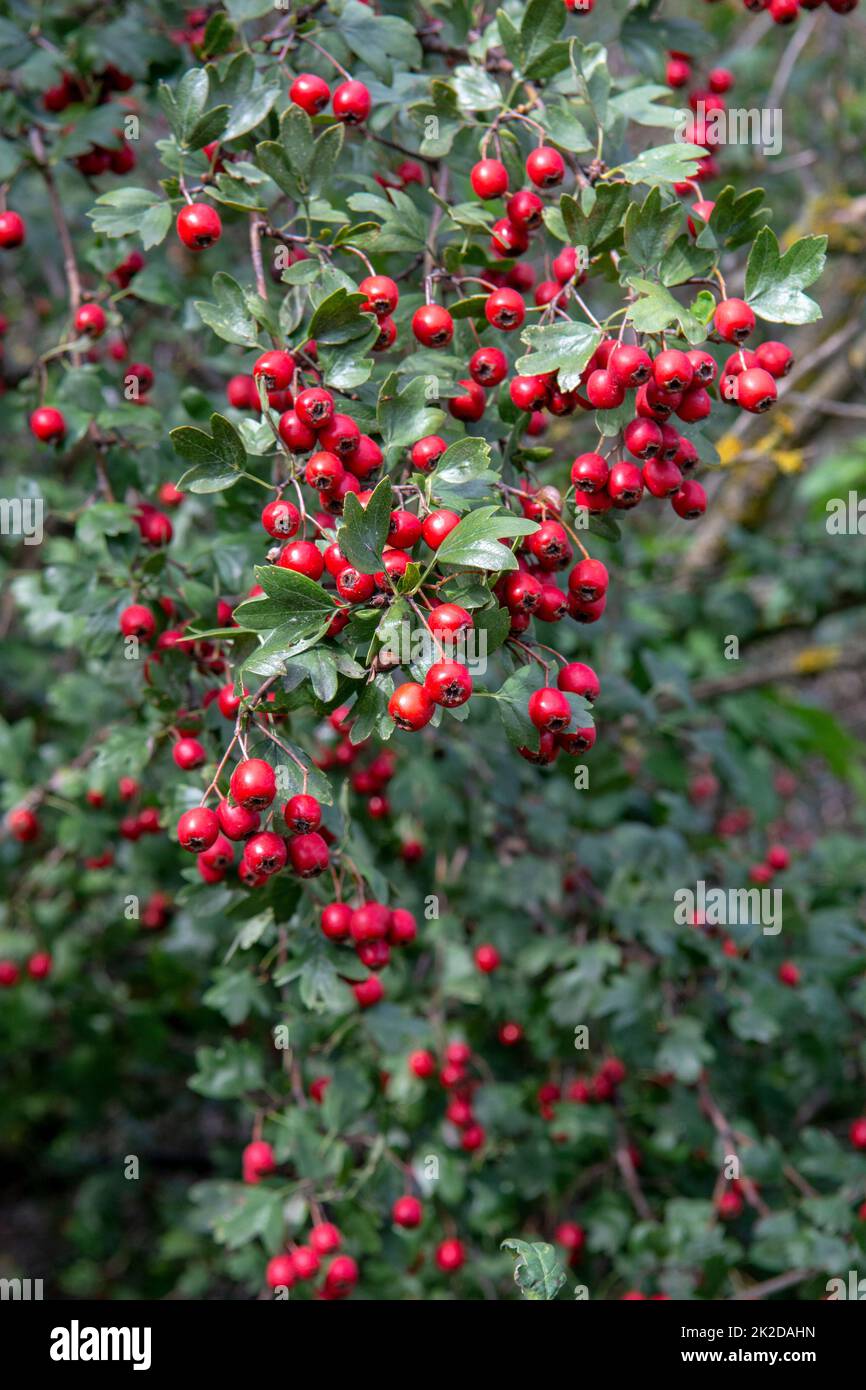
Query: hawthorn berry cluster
[{"x": 787, "y": 11}]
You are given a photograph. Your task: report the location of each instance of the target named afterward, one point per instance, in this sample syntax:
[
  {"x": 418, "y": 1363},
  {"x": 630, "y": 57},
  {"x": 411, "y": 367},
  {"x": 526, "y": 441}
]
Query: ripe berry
[
  {"x": 471, "y": 404},
  {"x": 778, "y": 857},
  {"x": 448, "y": 621},
  {"x": 281, "y": 519},
  {"x": 253, "y": 784},
  {"x": 784, "y": 11},
  {"x": 197, "y": 829},
  {"x": 487, "y": 958},
  {"x": 39, "y": 965},
  {"x": 90, "y": 319},
  {"x": 422, "y": 1064},
  {"x": 789, "y": 974},
  {"x": 314, "y": 407},
  {"x": 604, "y": 390},
  {"x": 258, "y": 1159},
  {"x": 690, "y": 501},
  {"x": 297, "y": 437},
  {"x": 489, "y": 178},
  {"x": 589, "y": 472},
  {"x": 433, "y": 326},
  {"x": 678, "y": 72},
  {"x": 309, "y": 92},
  {"x": 775, "y": 358},
  {"x": 365, "y": 459},
  {"x": 137, "y": 621},
  {"x": 199, "y": 226},
  {"x": 695, "y": 405},
  {"x": 528, "y": 392},
  {"x": 382, "y": 295},
  {"x": 9, "y": 974},
  {"x": 22, "y": 824},
  {"x": 672, "y": 371},
  {"x": 236, "y": 822},
  {"x": 549, "y": 710},
  {"x": 525, "y": 210},
  {"x": 341, "y": 435},
  {"x": 704, "y": 367},
  {"x": 505, "y": 310},
  {"x": 722, "y": 79},
  {"x": 488, "y": 366},
  {"x": 342, "y": 1276},
  {"x": 426, "y": 453},
  {"x": 857, "y": 1133},
  {"x": 630, "y": 364},
  {"x": 309, "y": 855},
  {"x": 13, "y": 230},
  {"x": 579, "y": 679},
  {"x": 508, "y": 239},
  {"x": 545, "y": 167},
  {"x": 756, "y": 390},
  {"x": 448, "y": 683},
  {"x": 304, "y": 558},
  {"x": 570, "y": 1235},
  {"x": 662, "y": 477},
  {"x": 589, "y": 581},
  {"x": 437, "y": 525},
  {"x": 733, "y": 320},
  {"x": 47, "y": 424},
  {"x": 302, "y": 813},
  {"x": 188, "y": 754},
  {"x": 450, "y": 1256},
  {"x": 510, "y": 1034},
  {"x": 411, "y": 707},
  {"x": 369, "y": 991},
  {"x": 266, "y": 853},
  {"x": 324, "y": 471},
  {"x": 351, "y": 103},
  {"x": 275, "y": 369},
  {"x": 625, "y": 485},
  {"x": 407, "y": 1212}
]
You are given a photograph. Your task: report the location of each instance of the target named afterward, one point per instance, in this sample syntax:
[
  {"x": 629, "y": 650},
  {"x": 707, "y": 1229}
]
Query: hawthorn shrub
[{"x": 344, "y": 953}]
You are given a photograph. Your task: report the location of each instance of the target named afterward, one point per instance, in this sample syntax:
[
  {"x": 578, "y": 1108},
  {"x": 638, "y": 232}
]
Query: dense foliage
[{"x": 410, "y": 618}]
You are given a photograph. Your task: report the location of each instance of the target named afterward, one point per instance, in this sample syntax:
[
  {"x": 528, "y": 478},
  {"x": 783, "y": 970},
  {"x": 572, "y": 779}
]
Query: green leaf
[
  {"x": 664, "y": 164},
  {"x": 512, "y": 701},
  {"x": 475, "y": 541},
  {"x": 735, "y": 220},
  {"x": 640, "y": 104},
  {"x": 656, "y": 310},
  {"x": 591, "y": 74},
  {"x": 379, "y": 40},
  {"x": 326, "y": 153},
  {"x": 541, "y": 24},
  {"x": 404, "y": 416},
  {"x": 537, "y": 1270},
  {"x": 364, "y": 532},
  {"x": 218, "y": 458},
  {"x": 650, "y": 230},
  {"x": 775, "y": 282},
  {"x": 123, "y": 211},
  {"x": 208, "y": 128},
  {"x": 601, "y": 226},
  {"x": 338, "y": 318},
  {"x": 477, "y": 90},
  {"x": 229, "y": 317},
  {"x": 564, "y": 347}
]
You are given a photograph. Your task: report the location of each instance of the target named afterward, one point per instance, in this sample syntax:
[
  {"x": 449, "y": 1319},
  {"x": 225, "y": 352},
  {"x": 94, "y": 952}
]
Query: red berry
[
  {"x": 579, "y": 679},
  {"x": 433, "y": 326},
  {"x": 487, "y": 958},
  {"x": 589, "y": 472},
  {"x": 488, "y": 366},
  {"x": 39, "y": 965},
  {"x": 368, "y": 992},
  {"x": 525, "y": 210},
  {"x": 302, "y": 813},
  {"x": 13, "y": 230},
  {"x": 448, "y": 683},
  {"x": 778, "y": 857},
  {"x": 265, "y": 853},
  {"x": 625, "y": 485},
  {"x": 281, "y": 519},
  {"x": 528, "y": 392},
  {"x": 549, "y": 709},
  {"x": 437, "y": 525},
  {"x": 857, "y": 1133},
  {"x": 662, "y": 477},
  {"x": 427, "y": 452},
  {"x": 508, "y": 239},
  {"x": 775, "y": 358},
  {"x": 630, "y": 364},
  {"x": 342, "y": 1276},
  {"x": 489, "y": 178},
  {"x": 411, "y": 707},
  {"x": 90, "y": 319},
  {"x": 690, "y": 500},
  {"x": 756, "y": 390},
  {"x": 471, "y": 404},
  {"x": 137, "y": 621},
  {"x": 340, "y": 436},
  {"x": 253, "y": 784},
  {"x": 304, "y": 558},
  {"x": 545, "y": 167},
  {"x": 505, "y": 310},
  {"x": 22, "y": 824},
  {"x": 448, "y": 621},
  {"x": 237, "y": 822},
  {"x": 197, "y": 829},
  {"x": 47, "y": 424},
  {"x": 199, "y": 226},
  {"x": 570, "y": 1235},
  {"x": 314, "y": 407},
  {"x": 188, "y": 754},
  {"x": 309, "y": 855},
  {"x": 604, "y": 390},
  {"x": 733, "y": 320},
  {"x": 275, "y": 369},
  {"x": 789, "y": 974},
  {"x": 351, "y": 102},
  {"x": 309, "y": 92},
  {"x": 9, "y": 974},
  {"x": 297, "y": 437},
  {"x": 450, "y": 1256},
  {"x": 422, "y": 1064},
  {"x": 335, "y": 921},
  {"x": 678, "y": 72},
  {"x": 672, "y": 371},
  {"x": 407, "y": 1212}
]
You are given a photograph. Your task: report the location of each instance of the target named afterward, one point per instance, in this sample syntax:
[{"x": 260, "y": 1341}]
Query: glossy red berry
[
  {"x": 341, "y": 436},
  {"x": 369, "y": 992},
  {"x": 690, "y": 501},
  {"x": 309, "y": 92},
  {"x": 275, "y": 369},
  {"x": 253, "y": 784},
  {"x": 672, "y": 370},
  {"x": 426, "y": 453},
  {"x": 525, "y": 210},
  {"x": 604, "y": 390},
  {"x": 304, "y": 558},
  {"x": 297, "y": 437},
  {"x": 625, "y": 485},
  {"x": 39, "y": 965},
  {"x": 199, "y": 226},
  {"x": 266, "y": 853},
  {"x": 489, "y": 178},
  {"x": 13, "y": 230},
  {"x": 857, "y": 1133},
  {"x": 198, "y": 829},
  {"x": 323, "y": 471},
  {"x": 48, "y": 424},
  {"x": 422, "y": 1064},
  {"x": 507, "y": 238},
  {"x": 756, "y": 390},
  {"x": 411, "y": 707},
  {"x": 22, "y": 824},
  {"x": 382, "y": 295},
  {"x": 470, "y": 404},
  {"x": 309, "y": 855},
  {"x": 528, "y": 392},
  {"x": 662, "y": 477},
  {"x": 487, "y": 958},
  {"x": 281, "y": 519},
  {"x": 302, "y": 813},
  {"x": 450, "y": 1256},
  {"x": 789, "y": 974},
  {"x": 589, "y": 473},
  {"x": 137, "y": 621},
  {"x": 448, "y": 622},
  {"x": 630, "y": 364},
  {"x": 578, "y": 679},
  {"x": 314, "y": 407},
  {"x": 351, "y": 102},
  {"x": 433, "y": 326},
  {"x": 488, "y": 366},
  {"x": 407, "y": 1212},
  {"x": 545, "y": 167},
  {"x": 448, "y": 683},
  {"x": 236, "y": 822},
  {"x": 549, "y": 709},
  {"x": 188, "y": 754},
  {"x": 90, "y": 319},
  {"x": 775, "y": 358},
  {"x": 733, "y": 320},
  {"x": 437, "y": 525},
  {"x": 505, "y": 310}
]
